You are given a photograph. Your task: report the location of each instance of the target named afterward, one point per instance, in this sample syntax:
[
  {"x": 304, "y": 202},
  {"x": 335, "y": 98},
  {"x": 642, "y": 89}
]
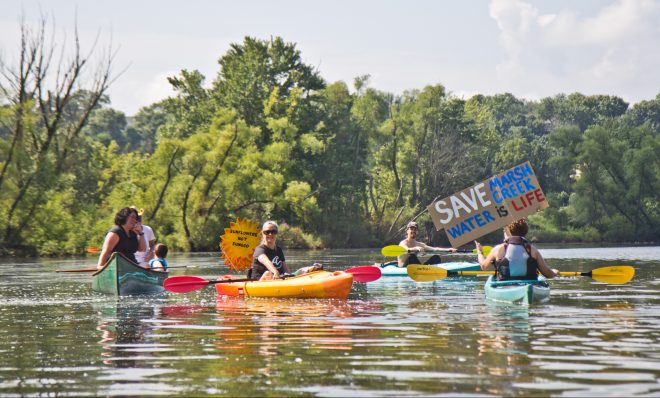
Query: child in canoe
[{"x": 159, "y": 263}]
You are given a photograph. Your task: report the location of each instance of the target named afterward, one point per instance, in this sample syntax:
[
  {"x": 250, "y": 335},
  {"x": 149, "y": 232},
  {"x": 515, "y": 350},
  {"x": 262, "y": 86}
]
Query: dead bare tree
[{"x": 49, "y": 95}]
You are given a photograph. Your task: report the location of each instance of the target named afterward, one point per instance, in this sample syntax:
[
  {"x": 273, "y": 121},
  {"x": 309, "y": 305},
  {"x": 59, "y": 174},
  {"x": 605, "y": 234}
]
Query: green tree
[
  {"x": 43, "y": 125},
  {"x": 252, "y": 71}
]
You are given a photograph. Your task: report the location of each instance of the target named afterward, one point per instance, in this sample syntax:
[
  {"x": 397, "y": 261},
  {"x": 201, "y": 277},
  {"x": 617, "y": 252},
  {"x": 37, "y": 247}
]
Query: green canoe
[
  {"x": 122, "y": 277},
  {"x": 517, "y": 291}
]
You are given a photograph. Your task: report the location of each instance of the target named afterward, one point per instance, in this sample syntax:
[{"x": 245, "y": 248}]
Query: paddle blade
[
  {"x": 365, "y": 273},
  {"x": 425, "y": 273},
  {"x": 393, "y": 251},
  {"x": 184, "y": 283},
  {"x": 484, "y": 249},
  {"x": 616, "y": 274}
]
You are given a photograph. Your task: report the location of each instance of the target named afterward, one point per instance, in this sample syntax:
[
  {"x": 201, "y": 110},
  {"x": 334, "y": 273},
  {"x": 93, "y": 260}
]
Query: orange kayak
[{"x": 318, "y": 284}]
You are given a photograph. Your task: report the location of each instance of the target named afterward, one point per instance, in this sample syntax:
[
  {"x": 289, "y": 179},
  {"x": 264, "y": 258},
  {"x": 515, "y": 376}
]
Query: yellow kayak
[{"x": 318, "y": 284}]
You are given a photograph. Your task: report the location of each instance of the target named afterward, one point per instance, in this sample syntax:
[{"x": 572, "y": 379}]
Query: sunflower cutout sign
[{"x": 238, "y": 244}]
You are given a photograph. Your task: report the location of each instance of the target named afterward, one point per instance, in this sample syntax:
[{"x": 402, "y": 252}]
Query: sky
[{"x": 532, "y": 49}]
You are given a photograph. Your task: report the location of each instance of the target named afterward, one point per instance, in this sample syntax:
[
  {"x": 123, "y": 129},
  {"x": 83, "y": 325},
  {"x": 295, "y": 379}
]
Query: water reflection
[
  {"x": 393, "y": 337},
  {"x": 125, "y": 331},
  {"x": 262, "y": 326}
]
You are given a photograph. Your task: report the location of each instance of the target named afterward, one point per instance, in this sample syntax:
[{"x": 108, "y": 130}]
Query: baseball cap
[{"x": 267, "y": 223}]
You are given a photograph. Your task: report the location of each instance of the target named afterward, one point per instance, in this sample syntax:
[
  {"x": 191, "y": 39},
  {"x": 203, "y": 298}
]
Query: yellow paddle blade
[
  {"x": 615, "y": 274},
  {"x": 393, "y": 251},
  {"x": 484, "y": 249},
  {"x": 425, "y": 273}
]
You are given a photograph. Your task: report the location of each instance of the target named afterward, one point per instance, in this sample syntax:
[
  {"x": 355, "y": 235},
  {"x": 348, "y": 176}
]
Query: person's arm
[
  {"x": 151, "y": 240},
  {"x": 486, "y": 261},
  {"x": 150, "y": 252},
  {"x": 263, "y": 259},
  {"x": 402, "y": 258},
  {"x": 543, "y": 267},
  {"x": 142, "y": 243},
  {"x": 436, "y": 249},
  {"x": 111, "y": 240}
]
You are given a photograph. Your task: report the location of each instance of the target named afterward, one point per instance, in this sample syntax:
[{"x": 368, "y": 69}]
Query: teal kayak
[
  {"x": 391, "y": 268},
  {"x": 121, "y": 277},
  {"x": 517, "y": 291}
]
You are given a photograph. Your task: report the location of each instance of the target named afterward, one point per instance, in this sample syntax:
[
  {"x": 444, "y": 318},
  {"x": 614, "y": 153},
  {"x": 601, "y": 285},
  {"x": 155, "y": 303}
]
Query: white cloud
[{"x": 613, "y": 51}]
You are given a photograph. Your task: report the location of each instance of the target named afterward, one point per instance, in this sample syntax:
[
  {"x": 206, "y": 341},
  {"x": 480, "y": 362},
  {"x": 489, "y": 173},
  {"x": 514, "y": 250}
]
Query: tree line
[{"x": 339, "y": 165}]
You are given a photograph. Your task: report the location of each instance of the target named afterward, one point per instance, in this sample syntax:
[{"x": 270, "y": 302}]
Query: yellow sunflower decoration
[{"x": 238, "y": 244}]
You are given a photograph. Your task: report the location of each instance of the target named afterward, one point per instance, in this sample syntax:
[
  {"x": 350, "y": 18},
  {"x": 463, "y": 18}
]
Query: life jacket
[{"x": 517, "y": 262}]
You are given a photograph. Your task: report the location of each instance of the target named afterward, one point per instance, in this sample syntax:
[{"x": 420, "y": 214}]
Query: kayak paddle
[
  {"x": 396, "y": 250},
  {"x": 187, "y": 283},
  {"x": 94, "y": 269},
  {"x": 428, "y": 273},
  {"x": 616, "y": 274},
  {"x": 365, "y": 273}
]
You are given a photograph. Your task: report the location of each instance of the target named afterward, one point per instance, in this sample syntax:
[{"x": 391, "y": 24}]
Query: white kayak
[{"x": 391, "y": 268}]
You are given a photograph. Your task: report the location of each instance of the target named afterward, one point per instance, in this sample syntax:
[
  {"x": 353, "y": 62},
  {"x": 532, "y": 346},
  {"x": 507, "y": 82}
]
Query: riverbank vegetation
[{"x": 342, "y": 163}]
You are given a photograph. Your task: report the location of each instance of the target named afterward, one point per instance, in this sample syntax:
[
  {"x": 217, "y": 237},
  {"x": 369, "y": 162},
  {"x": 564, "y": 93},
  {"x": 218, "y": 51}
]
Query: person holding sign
[
  {"x": 269, "y": 262},
  {"x": 415, "y": 246},
  {"x": 516, "y": 258}
]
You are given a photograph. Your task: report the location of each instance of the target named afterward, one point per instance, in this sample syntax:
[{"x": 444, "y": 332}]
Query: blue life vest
[
  {"x": 152, "y": 263},
  {"x": 518, "y": 262}
]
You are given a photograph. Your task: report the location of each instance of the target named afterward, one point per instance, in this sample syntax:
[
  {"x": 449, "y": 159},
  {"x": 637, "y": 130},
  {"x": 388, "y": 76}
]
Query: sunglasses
[{"x": 270, "y": 232}]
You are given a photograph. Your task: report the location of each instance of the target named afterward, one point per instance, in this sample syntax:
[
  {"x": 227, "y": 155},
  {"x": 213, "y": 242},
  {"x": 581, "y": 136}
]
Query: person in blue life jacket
[
  {"x": 159, "y": 263},
  {"x": 126, "y": 237},
  {"x": 414, "y": 246},
  {"x": 268, "y": 260},
  {"x": 515, "y": 258}
]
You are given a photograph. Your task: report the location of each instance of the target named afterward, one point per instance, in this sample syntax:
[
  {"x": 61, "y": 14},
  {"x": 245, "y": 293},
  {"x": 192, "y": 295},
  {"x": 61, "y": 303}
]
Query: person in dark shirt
[
  {"x": 269, "y": 262},
  {"x": 126, "y": 237}
]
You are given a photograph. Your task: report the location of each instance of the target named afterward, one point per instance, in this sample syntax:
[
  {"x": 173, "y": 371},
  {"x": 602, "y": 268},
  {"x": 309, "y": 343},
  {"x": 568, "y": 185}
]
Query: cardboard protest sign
[
  {"x": 238, "y": 244},
  {"x": 489, "y": 205}
]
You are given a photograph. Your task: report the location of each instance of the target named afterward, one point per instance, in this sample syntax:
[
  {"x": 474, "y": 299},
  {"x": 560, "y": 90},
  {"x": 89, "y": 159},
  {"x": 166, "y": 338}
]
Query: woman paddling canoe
[
  {"x": 126, "y": 237},
  {"x": 515, "y": 258}
]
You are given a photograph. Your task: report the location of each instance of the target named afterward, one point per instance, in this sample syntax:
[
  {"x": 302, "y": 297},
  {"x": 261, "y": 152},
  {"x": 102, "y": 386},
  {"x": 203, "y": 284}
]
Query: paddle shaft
[
  {"x": 617, "y": 274},
  {"x": 94, "y": 269},
  {"x": 209, "y": 282}
]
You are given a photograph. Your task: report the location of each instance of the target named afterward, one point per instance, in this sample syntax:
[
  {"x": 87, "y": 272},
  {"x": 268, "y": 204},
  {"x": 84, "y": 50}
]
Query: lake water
[{"x": 392, "y": 337}]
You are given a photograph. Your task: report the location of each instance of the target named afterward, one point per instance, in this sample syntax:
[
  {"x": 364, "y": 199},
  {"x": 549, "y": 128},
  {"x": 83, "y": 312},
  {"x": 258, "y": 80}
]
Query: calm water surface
[{"x": 392, "y": 337}]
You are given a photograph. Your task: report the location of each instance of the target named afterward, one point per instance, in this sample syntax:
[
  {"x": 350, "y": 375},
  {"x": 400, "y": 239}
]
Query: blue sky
[{"x": 529, "y": 48}]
